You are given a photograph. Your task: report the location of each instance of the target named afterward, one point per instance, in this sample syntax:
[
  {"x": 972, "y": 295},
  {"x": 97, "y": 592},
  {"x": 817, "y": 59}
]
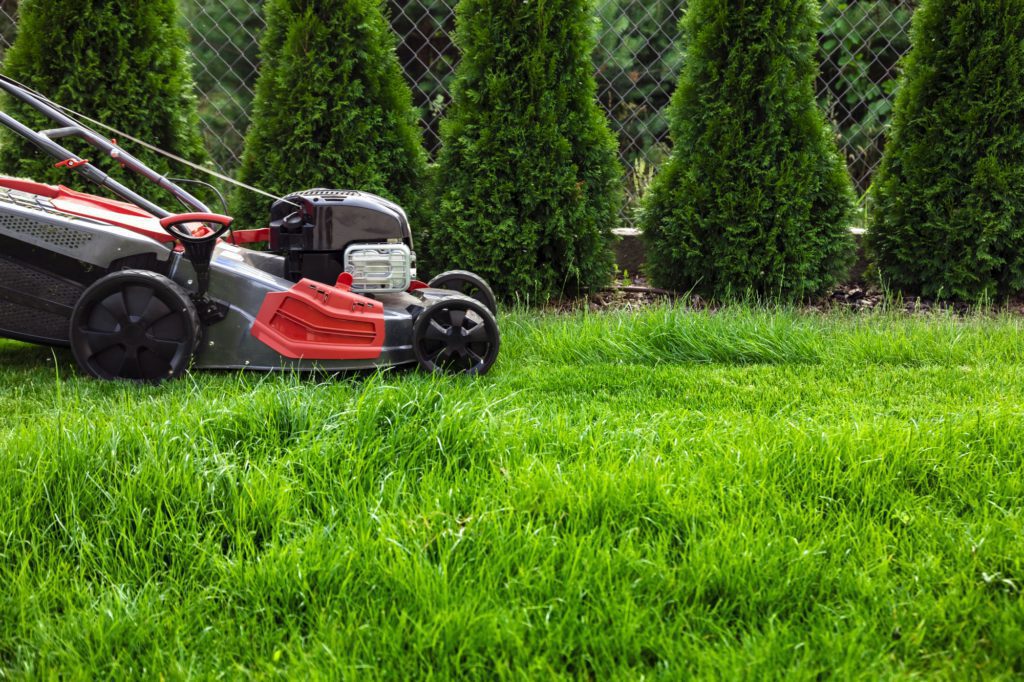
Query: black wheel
[
  {"x": 456, "y": 334},
  {"x": 136, "y": 325},
  {"x": 467, "y": 284}
]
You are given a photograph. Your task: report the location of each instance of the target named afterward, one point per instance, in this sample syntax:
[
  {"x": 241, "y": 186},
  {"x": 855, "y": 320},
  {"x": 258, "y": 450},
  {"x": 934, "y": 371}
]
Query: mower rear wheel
[
  {"x": 456, "y": 334},
  {"x": 136, "y": 325},
  {"x": 468, "y": 284}
]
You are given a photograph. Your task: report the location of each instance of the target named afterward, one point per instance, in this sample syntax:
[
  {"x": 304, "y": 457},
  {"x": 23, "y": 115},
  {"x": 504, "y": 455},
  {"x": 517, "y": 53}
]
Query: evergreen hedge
[
  {"x": 331, "y": 109},
  {"x": 528, "y": 182},
  {"x": 949, "y": 197},
  {"x": 123, "y": 62},
  {"x": 755, "y": 197}
]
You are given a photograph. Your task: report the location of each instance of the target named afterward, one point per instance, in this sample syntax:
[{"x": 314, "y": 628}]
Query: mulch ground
[{"x": 637, "y": 294}]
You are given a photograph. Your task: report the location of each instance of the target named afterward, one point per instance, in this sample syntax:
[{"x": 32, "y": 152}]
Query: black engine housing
[{"x": 312, "y": 229}]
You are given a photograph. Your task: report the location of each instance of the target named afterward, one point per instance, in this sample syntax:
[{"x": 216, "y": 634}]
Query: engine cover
[{"x": 313, "y": 229}]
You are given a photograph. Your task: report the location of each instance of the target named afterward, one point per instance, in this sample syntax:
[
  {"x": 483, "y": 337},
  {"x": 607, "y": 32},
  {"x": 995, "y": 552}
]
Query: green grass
[{"x": 744, "y": 494}]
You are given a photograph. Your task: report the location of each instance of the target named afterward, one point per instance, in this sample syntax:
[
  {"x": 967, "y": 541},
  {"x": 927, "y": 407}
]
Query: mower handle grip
[
  {"x": 196, "y": 218},
  {"x": 172, "y": 222}
]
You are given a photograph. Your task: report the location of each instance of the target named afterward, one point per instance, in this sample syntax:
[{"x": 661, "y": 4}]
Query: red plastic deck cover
[
  {"x": 111, "y": 211},
  {"x": 315, "y": 321},
  {"x": 29, "y": 186}
]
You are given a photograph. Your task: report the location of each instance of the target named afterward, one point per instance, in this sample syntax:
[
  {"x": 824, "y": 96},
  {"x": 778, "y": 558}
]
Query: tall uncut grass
[{"x": 741, "y": 494}]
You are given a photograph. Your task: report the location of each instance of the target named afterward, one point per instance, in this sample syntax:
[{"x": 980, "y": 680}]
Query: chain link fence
[{"x": 636, "y": 61}]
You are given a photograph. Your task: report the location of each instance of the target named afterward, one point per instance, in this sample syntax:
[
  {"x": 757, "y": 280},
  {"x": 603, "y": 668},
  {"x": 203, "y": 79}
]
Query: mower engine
[{"x": 322, "y": 233}]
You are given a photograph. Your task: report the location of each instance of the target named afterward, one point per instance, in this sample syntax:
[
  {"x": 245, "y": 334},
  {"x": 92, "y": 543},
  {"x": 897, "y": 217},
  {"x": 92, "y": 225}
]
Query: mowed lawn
[{"x": 745, "y": 494}]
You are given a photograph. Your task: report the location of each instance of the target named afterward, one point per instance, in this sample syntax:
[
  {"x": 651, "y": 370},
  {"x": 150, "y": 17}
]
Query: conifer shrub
[
  {"x": 122, "y": 62},
  {"x": 528, "y": 185},
  {"x": 332, "y": 108},
  {"x": 755, "y": 197},
  {"x": 949, "y": 197}
]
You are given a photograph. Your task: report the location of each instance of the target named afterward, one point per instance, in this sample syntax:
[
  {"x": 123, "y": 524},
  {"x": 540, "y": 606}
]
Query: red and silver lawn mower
[{"x": 140, "y": 293}]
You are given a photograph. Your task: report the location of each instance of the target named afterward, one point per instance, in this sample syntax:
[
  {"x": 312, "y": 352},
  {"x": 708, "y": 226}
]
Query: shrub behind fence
[{"x": 635, "y": 59}]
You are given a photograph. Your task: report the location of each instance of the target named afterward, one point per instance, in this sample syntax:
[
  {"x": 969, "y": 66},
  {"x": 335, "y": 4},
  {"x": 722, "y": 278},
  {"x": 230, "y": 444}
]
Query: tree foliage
[
  {"x": 331, "y": 108},
  {"x": 528, "y": 183},
  {"x": 949, "y": 197},
  {"x": 755, "y": 197},
  {"x": 123, "y": 62}
]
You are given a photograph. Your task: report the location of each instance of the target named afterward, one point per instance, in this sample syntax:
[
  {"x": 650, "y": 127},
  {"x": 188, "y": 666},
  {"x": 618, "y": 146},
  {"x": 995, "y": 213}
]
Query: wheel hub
[
  {"x": 134, "y": 333},
  {"x": 457, "y": 340}
]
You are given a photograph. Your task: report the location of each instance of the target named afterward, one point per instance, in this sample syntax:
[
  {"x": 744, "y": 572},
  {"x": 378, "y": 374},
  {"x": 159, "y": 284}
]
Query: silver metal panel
[{"x": 85, "y": 240}]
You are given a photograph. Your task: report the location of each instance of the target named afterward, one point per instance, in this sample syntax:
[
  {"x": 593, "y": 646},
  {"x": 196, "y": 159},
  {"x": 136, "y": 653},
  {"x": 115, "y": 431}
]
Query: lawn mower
[{"x": 140, "y": 293}]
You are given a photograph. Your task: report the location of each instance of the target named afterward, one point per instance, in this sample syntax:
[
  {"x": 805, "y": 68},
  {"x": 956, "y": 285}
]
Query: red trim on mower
[
  {"x": 30, "y": 187},
  {"x": 261, "y": 234},
  {"x": 111, "y": 211},
  {"x": 71, "y": 163},
  {"x": 314, "y": 321},
  {"x": 416, "y": 284}
]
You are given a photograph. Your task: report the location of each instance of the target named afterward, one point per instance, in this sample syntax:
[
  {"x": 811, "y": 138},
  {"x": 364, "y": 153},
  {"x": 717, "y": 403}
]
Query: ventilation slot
[
  {"x": 24, "y": 321},
  {"x": 63, "y": 237},
  {"x": 36, "y": 284},
  {"x": 329, "y": 193}
]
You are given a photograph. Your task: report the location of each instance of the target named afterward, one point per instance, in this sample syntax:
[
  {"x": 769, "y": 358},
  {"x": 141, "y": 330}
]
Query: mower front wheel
[
  {"x": 456, "y": 334},
  {"x": 136, "y": 325}
]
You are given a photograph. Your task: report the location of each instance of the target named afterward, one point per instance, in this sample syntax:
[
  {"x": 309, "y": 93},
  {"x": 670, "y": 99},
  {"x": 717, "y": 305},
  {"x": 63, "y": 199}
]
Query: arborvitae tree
[
  {"x": 332, "y": 108},
  {"x": 755, "y": 198},
  {"x": 949, "y": 197},
  {"x": 123, "y": 62},
  {"x": 528, "y": 181}
]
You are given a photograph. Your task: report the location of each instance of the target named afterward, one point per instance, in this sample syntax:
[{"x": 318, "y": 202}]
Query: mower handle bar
[{"x": 45, "y": 141}]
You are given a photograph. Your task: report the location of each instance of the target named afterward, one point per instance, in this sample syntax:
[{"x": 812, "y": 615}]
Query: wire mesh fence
[{"x": 636, "y": 62}]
